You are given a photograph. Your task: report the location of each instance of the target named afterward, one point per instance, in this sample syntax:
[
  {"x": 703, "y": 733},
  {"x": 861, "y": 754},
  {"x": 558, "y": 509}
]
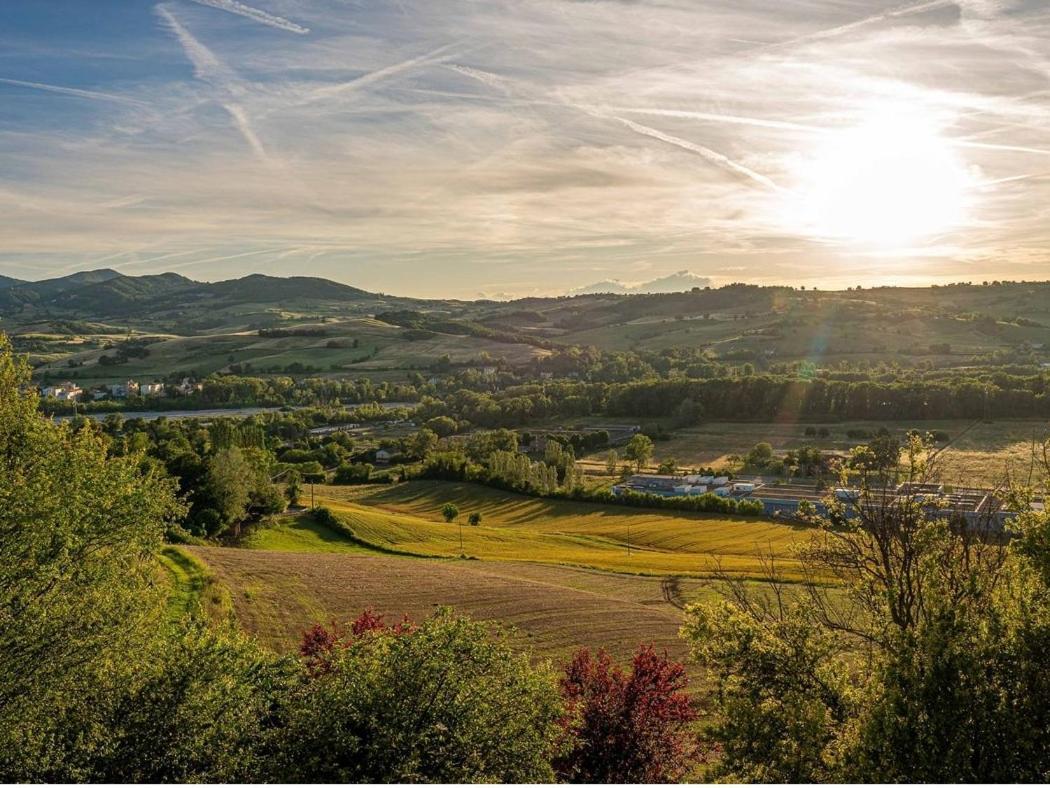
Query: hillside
[{"x": 75, "y": 319}]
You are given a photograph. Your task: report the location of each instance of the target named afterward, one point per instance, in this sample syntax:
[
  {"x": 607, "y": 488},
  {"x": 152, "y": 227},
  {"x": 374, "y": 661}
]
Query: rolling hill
[{"x": 77, "y": 317}]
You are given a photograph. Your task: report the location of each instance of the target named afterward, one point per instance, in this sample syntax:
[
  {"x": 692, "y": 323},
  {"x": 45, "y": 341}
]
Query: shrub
[
  {"x": 447, "y": 701},
  {"x": 627, "y": 728}
]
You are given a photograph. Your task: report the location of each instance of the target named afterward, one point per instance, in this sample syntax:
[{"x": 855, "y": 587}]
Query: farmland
[
  {"x": 558, "y": 572},
  {"x": 978, "y": 453},
  {"x": 553, "y": 609},
  {"x": 361, "y": 346},
  {"x": 407, "y": 517}
]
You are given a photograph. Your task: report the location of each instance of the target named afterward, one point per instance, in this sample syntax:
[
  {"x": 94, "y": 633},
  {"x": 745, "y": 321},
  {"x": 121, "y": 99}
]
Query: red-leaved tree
[
  {"x": 626, "y": 728},
  {"x": 319, "y": 642}
]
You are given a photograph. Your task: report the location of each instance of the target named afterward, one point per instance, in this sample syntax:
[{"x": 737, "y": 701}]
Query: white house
[
  {"x": 66, "y": 392},
  {"x": 151, "y": 390},
  {"x": 384, "y": 456},
  {"x": 123, "y": 390}
]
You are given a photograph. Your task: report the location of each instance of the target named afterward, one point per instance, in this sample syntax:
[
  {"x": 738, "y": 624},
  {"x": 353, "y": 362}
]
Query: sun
[{"x": 892, "y": 180}]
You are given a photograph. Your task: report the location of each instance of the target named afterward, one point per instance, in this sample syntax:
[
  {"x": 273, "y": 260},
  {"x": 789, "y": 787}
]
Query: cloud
[
  {"x": 442, "y": 148},
  {"x": 256, "y": 14}
]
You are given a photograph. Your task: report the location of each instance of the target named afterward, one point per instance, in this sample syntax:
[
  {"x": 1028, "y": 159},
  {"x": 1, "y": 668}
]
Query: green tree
[
  {"x": 293, "y": 489},
  {"x": 450, "y": 512},
  {"x": 422, "y": 443},
  {"x": 919, "y": 657},
  {"x": 639, "y": 449},
  {"x": 760, "y": 455},
  {"x": 229, "y": 484},
  {"x": 447, "y": 702},
  {"x": 475, "y": 518},
  {"x": 668, "y": 466}
]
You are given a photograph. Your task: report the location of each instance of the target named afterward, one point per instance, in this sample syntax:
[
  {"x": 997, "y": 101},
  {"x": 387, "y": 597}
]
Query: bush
[
  {"x": 353, "y": 473},
  {"x": 627, "y": 728},
  {"x": 448, "y": 702}
]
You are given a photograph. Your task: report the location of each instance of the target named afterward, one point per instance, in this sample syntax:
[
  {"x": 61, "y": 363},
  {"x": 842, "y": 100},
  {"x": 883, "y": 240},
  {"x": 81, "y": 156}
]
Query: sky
[{"x": 506, "y": 148}]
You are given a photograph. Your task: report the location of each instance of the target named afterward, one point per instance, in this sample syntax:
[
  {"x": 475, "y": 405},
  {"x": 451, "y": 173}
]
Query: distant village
[{"x": 68, "y": 391}]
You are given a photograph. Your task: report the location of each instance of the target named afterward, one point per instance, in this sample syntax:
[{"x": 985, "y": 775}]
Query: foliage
[
  {"x": 353, "y": 473},
  {"x": 450, "y": 512},
  {"x": 921, "y": 664},
  {"x": 77, "y": 531},
  {"x": 293, "y": 489},
  {"x": 443, "y": 702},
  {"x": 639, "y": 449},
  {"x": 626, "y": 728}
]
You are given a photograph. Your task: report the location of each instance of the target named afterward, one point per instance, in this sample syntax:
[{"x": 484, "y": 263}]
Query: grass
[
  {"x": 407, "y": 517},
  {"x": 192, "y": 586},
  {"x": 300, "y": 534}
]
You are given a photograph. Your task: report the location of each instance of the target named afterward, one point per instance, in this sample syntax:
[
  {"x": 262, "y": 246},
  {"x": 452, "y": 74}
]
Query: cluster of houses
[
  {"x": 979, "y": 507},
  {"x": 68, "y": 391}
]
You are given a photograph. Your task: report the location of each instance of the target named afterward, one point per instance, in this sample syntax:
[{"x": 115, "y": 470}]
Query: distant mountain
[
  {"x": 103, "y": 290},
  {"x": 672, "y": 283},
  {"x": 262, "y": 289},
  {"x": 61, "y": 284},
  {"x": 8, "y": 281},
  {"x": 120, "y": 293},
  {"x": 110, "y": 294}
]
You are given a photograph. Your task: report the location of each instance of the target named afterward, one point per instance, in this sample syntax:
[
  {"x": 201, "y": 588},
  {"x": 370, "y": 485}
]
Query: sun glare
[{"x": 890, "y": 181}]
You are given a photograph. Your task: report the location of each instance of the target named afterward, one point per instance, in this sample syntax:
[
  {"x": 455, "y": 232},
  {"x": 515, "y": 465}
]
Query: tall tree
[
  {"x": 78, "y": 529},
  {"x": 914, "y": 655}
]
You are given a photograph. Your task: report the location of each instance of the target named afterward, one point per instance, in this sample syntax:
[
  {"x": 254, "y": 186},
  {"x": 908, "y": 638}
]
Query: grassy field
[
  {"x": 979, "y": 452},
  {"x": 552, "y": 609},
  {"x": 300, "y": 534},
  {"x": 407, "y": 517},
  {"x": 557, "y": 573}
]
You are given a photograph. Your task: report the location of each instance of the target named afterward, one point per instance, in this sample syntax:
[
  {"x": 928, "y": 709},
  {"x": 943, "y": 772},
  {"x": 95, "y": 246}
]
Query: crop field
[
  {"x": 552, "y": 610},
  {"x": 979, "y": 453},
  {"x": 407, "y": 517}
]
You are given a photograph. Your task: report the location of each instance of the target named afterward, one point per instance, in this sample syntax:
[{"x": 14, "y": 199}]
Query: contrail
[
  {"x": 716, "y": 117},
  {"x": 712, "y": 156},
  {"x": 893, "y": 13},
  {"x": 257, "y": 14},
  {"x": 1010, "y": 179},
  {"x": 224, "y": 257},
  {"x": 364, "y": 80},
  {"x": 244, "y": 125},
  {"x": 485, "y": 77},
  {"x": 994, "y": 146},
  {"x": 78, "y": 92},
  {"x": 208, "y": 67}
]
